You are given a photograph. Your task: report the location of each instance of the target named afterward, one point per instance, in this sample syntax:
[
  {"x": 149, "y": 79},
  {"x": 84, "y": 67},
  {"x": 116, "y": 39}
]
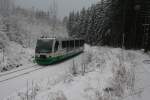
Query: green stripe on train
[{"x": 52, "y": 60}]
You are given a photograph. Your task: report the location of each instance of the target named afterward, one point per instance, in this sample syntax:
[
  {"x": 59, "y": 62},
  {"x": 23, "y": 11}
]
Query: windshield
[{"x": 44, "y": 46}]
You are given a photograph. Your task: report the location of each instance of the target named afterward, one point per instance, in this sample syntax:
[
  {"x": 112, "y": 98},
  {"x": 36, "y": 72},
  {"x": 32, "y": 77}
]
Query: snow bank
[
  {"x": 15, "y": 56},
  {"x": 102, "y": 73},
  {"x": 18, "y": 36}
]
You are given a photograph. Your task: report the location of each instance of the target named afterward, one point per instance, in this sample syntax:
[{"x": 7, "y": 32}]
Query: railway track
[
  {"x": 11, "y": 72},
  {"x": 18, "y": 73}
]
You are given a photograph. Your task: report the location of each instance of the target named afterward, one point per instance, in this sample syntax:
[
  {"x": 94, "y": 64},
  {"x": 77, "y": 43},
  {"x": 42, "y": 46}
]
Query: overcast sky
[{"x": 64, "y": 6}]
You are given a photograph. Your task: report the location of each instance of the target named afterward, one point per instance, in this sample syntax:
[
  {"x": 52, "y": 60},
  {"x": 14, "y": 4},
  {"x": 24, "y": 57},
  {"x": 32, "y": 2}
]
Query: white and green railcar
[{"x": 51, "y": 50}]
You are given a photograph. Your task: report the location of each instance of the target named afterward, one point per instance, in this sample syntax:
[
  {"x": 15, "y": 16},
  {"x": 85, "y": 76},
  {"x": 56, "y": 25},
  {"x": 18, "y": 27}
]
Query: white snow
[
  {"x": 19, "y": 40},
  {"x": 101, "y": 73},
  {"x": 15, "y": 55}
]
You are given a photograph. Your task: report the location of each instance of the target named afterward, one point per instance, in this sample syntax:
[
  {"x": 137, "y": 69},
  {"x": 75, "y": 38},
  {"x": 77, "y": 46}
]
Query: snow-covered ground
[
  {"x": 18, "y": 36},
  {"x": 100, "y": 73},
  {"x": 53, "y": 74},
  {"x": 15, "y": 56}
]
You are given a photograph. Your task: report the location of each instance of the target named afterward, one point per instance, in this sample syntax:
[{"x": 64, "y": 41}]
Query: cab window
[{"x": 56, "y": 46}]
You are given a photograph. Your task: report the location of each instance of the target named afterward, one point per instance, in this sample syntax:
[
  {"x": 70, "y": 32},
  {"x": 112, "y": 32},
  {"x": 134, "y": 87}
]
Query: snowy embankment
[
  {"x": 18, "y": 36},
  {"x": 101, "y": 73},
  {"x": 15, "y": 56}
]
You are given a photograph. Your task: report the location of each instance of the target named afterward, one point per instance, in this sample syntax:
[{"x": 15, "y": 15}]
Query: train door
[
  {"x": 64, "y": 46},
  {"x": 56, "y": 46},
  {"x": 146, "y": 28},
  {"x": 53, "y": 47}
]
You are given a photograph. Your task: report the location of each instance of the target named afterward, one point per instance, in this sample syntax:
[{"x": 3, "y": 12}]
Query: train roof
[{"x": 59, "y": 38}]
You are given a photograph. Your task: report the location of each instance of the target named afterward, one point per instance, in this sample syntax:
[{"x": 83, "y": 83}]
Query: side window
[
  {"x": 68, "y": 44},
  {"x": 56, "y": 46},
  {"x": 72, "y": 44},
  {"x": 64, "y": 44},
  {"x": 82, "y": 42},
  {"x": 77, "y": 43}
]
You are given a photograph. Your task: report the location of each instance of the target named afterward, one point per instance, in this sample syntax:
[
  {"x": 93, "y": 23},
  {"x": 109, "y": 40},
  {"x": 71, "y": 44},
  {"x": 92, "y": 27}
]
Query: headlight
[
  {"x": 37, "y": 55},
  {"x": 47, "y": 56}
]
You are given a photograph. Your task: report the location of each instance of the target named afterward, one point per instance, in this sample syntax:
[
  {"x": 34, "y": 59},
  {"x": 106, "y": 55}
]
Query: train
[{"x": 52, "y": 50}]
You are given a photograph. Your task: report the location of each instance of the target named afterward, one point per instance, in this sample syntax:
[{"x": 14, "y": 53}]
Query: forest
[{"x": 116, "y": 23}]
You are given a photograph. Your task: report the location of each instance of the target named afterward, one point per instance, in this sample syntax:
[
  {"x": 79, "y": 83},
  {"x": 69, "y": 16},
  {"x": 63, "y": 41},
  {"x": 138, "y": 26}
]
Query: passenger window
[
  {"x": 64, "y": 44},
  {"x": 56, "y": 46},
  {"x": 68, "y": 44},
  {"x": 77, "y": 43},
  {"x": 72, "y": 44}
]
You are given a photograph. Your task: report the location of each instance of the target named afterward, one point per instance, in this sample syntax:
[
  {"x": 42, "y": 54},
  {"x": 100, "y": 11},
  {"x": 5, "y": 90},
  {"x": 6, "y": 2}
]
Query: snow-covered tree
[
  {"x": 110, "y": 22},
  {"x": 5, "y": 7},
  {"x": 54, "y": 15}
]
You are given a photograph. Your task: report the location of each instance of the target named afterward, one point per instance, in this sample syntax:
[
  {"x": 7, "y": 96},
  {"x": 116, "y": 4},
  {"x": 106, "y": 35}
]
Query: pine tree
[{"x": 106, "y": 22}]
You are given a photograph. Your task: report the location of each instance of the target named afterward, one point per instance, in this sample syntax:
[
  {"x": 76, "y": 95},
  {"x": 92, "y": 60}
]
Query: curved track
[
  {"x": 11, "y": 72},
  {"x": 18, "y": 73}
]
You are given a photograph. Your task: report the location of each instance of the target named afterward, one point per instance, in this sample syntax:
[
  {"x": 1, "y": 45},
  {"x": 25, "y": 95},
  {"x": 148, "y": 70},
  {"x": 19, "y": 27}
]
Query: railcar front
[{"x": 44, "y": 51}]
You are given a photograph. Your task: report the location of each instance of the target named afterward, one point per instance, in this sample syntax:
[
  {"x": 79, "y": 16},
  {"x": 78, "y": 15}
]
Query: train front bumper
[{"x": 44, "y": 61}]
